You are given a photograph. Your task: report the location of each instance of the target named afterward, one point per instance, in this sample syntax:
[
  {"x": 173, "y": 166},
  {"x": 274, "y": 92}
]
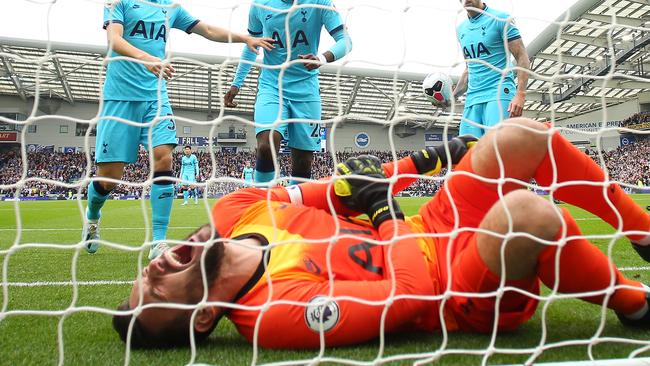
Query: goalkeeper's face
[{"x": 175, "y": 278}]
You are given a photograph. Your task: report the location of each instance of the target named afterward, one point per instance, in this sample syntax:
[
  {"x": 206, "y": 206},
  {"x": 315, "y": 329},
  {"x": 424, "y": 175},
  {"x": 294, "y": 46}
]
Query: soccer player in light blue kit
[
  {"x": 137, "y": 92},
  {"x": 189, "y": 174},
  {"x": 247, "y": 175},
  {"x": 296, "y": 95},
  {"x": 491, "y": 95}
]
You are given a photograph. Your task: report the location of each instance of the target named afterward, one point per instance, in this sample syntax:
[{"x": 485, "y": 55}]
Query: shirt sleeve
[
  {"x": 255, "y": 29},
  {"x": 342, "y": 318},
  {"x": 196, "y": 165},
  {"x": 336, "y": 28},
  {"x": 114, "y": 13},
  {"x": 183, "y": 20},
  {"x": 332, "y": 19},
  {"x": 510, "y": 29}
]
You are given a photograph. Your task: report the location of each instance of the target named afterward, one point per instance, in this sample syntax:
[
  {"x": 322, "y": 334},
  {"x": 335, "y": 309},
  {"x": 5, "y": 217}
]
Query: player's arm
[
  {"x": 355, "y": 322},
  {"x": 332, "y": 21},
  {"x": 255, "y": 29},
  {"x": 429, "y": 161},
  {"x": 116, "y": 41},
  {"x": 461, "y": 86},
  {"x": 196, "y": 167},
  {"x": 218, "y": 34},
  {"x": 321, "y": 194},
  {"x": 518, "y": 50}
]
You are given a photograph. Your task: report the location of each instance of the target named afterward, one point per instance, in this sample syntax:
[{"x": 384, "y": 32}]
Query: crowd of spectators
[
  {"x": 70, "y": 168},
  {"x": 627, "y": 164},
  {"x": 636, "y": 119}
]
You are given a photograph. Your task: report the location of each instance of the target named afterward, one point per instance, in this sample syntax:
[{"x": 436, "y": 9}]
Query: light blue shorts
[
  {"x": 191, "y": 178},
  {"x": 119, "y": 142},
  {"x": 299, "y": 135},
  {"x": 485, "y": 114}
]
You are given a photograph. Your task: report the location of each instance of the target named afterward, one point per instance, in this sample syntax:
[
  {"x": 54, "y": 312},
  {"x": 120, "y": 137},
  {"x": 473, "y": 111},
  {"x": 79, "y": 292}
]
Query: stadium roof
[
  {"x": 570, "y": 72},
  {"x": 72, "y": 73},
  {"x": 581, "y": 47}
]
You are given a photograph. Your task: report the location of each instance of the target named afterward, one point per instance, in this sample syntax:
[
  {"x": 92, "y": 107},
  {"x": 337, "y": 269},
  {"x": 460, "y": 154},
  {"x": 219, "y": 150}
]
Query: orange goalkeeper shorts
[{"x": 458, "y": 256}]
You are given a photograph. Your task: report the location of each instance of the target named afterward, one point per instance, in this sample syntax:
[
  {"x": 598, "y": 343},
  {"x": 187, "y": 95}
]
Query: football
[{"x": 437, "y": 89}]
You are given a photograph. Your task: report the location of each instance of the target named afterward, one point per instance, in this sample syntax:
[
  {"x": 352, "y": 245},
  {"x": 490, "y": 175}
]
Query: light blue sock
[
  {"x": 97, "y": 195},
  {"x": 263, "y": 177},
  {"x": 162, "y": 197},
  {"x": 186, "y": 194},
  {"x": 196, "y": 195}
]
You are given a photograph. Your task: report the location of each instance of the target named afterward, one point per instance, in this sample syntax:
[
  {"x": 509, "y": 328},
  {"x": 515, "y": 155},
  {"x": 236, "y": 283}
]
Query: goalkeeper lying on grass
[{"x": 313, "y": 270}]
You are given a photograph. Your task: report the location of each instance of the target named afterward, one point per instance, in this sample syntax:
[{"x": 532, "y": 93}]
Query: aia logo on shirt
[
  {"x": 149, "y": 31},
  {"x": 322, "y": 314},
  {"x": 476, "y": 51},
  {"x": 299, "y": 38}
]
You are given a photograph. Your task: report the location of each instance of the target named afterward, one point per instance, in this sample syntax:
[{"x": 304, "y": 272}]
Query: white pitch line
[
  {"x": 627, "y": 269},
  {"x": 65, "y": 283},
  {"x": 123, "y": 283},
  {"x": 171, "y": 227},
  {"x": 101, "y": 228}
]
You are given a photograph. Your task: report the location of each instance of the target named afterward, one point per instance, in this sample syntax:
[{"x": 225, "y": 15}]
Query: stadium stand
[{"x": 628, "y": 164}]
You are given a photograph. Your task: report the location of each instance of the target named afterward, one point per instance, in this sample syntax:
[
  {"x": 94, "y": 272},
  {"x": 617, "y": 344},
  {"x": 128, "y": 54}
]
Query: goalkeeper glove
[
  {"x": 431, "y": 160},
  {"x": 370, "y": 197}
]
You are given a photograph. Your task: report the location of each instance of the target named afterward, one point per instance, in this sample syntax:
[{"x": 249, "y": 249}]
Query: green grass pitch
[{"x": 88, "y": 339}]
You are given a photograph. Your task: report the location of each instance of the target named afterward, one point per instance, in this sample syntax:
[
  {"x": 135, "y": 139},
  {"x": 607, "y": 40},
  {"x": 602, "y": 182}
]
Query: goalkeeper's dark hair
[
  {"x": 188, "y": 147},
  {"x": 176, "y": 334}
]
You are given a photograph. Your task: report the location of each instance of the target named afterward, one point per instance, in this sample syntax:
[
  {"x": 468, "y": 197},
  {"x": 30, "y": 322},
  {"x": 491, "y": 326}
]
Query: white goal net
[{"x": 588, "y": 79}]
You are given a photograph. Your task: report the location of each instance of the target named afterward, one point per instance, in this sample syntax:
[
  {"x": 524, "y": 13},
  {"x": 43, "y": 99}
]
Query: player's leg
[
  {"x": 195, "y": 192},
  {"x": 573, "y": 165},
  {"x": 521, "y": 145},
  {"x": 471, "y": 121},
  {"x": 267, "y": 112},
  {"x": 163, "y": 140},
  {"x": 580, "y": 266},
  {"x": 304, "y": 138},
  {"x": 186, "y": 194},
  {"x": 116, "y": 144}
]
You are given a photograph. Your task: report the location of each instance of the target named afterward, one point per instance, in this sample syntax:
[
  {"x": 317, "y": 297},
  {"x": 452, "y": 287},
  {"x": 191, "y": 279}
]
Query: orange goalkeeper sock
[
  {"x": 585, "y": 268},
  {"x": 574, "y": 165}
]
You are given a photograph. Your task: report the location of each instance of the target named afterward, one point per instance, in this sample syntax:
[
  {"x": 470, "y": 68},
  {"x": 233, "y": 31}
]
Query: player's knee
[
  {"x": 107, "y": 186},
  {"x": 264, "y": 151},
  {"x": 532, "y": 214},
  {"x": 523, "y": 132},
  {"x": 162, "y": 162},
  {"x": 301, "y": 163}
]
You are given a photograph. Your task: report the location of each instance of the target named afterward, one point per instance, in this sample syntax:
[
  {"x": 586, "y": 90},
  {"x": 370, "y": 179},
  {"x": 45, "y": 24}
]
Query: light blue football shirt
[
  {"x": 248, "y": 174},
  {"x": 189, "y": 165},
  {"x": 302, "y": 37},
  {"x": 485, "y": 37},
  {"x": 146, "y": 27}
]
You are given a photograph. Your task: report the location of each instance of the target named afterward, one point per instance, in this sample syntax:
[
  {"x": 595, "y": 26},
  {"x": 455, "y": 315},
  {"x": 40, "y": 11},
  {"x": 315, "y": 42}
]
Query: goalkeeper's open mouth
[{"x": 181, "y": 257}]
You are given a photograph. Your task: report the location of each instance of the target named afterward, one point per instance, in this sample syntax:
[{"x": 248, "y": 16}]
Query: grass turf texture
[{"x": 88, "y": 337}]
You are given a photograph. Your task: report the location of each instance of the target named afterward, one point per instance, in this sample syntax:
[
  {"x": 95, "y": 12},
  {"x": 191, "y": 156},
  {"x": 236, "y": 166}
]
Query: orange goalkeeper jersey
[{"x": 326, "y": 274}]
